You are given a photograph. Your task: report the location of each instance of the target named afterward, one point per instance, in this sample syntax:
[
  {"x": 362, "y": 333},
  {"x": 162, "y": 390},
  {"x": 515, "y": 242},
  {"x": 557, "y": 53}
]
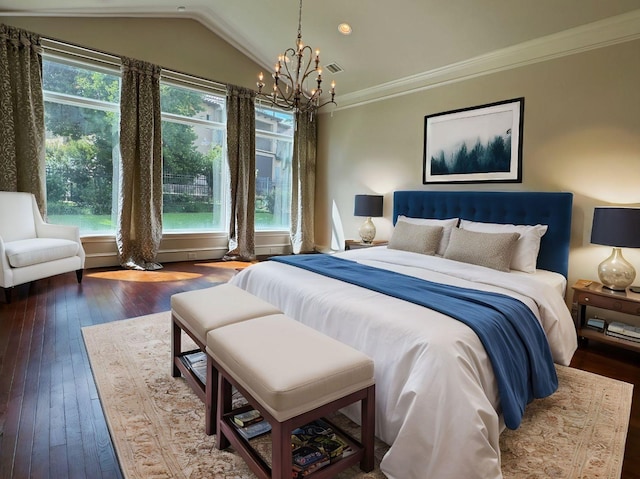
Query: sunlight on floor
[
  {"x": 228, "y": 264},
  {"x": 145, "y": 276}
]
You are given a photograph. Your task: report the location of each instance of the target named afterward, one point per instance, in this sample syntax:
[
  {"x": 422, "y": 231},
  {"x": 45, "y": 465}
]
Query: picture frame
[{"x": 480, "y": 144}]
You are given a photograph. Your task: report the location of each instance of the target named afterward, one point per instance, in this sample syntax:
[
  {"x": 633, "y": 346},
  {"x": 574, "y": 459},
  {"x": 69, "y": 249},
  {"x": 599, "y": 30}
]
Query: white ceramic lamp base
[
  {"x": 367, "y": 231},
  {"x": 615, "y": 272}
]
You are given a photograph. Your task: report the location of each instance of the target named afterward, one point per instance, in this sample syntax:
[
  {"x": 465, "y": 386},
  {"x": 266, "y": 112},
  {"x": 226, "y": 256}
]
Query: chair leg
[
  {"x": 7, "y": 294},
  {"x": 79, "y": 275}
]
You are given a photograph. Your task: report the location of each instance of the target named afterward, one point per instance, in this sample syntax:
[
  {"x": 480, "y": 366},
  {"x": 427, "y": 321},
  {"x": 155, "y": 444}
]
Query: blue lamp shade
[
  {"x": 620, "y": 228},
  {"x": 368, "y": 205}
]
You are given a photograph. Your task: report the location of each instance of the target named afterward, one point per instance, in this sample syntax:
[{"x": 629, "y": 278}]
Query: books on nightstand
[
  {"x": 623, "y": 331},
  {"x": 596, "y": 323}
]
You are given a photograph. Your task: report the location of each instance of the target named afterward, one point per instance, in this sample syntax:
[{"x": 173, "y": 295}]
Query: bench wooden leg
[
  {"x": 224, "y": 405},
  {"x": 367, "y": 421},
  {"x": 211, "y": 398},
  {"x": 281, "y": 463},
  {"x": 176, "y": 347}
]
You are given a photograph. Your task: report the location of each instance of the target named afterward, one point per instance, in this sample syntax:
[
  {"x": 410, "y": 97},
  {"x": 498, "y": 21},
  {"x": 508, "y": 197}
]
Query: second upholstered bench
[
  {"x": 292, "y": 374},
  {"x": 200, "y": 311}
]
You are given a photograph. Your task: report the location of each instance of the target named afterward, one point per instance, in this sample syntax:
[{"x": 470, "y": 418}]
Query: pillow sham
[
  {"x": 492, "y": 250},
  {"x": 422, "y": 239},
  {"x": 525, "y": 256},
  {"x": 447, "y": 226}
]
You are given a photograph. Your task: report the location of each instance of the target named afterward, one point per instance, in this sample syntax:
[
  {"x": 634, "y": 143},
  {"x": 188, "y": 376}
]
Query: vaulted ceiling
[{"x": 395, "y": 46}]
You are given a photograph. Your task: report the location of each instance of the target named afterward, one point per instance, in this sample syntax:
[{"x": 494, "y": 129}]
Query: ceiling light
[
  {"x": 290, "y": 75},
  {"x": 182, "y": 9},
  {"x": 345, "y": 29}
]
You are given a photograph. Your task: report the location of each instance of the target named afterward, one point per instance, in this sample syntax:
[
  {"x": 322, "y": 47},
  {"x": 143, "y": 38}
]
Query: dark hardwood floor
[{"x": 51, "y": 421}]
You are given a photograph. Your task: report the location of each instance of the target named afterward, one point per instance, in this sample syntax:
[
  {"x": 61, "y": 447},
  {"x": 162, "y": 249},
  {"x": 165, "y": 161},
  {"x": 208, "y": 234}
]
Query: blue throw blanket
[{"x": 511, "y": 334}]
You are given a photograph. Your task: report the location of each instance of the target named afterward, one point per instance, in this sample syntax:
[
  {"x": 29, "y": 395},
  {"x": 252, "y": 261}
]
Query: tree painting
[
  {"x": 474, "y": 144},
  {"x": 494, "y": 156}
]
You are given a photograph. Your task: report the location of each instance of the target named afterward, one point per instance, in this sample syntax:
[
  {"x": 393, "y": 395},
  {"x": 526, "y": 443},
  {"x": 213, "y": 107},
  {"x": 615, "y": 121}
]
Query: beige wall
[
  {"x": 183, "y": 45},
  {"x": 581, "y": 134}
]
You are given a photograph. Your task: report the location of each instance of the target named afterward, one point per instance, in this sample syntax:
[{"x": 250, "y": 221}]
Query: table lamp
[
  {"x": 369, "y": 206},
  {"x": 620, "y": 228}
]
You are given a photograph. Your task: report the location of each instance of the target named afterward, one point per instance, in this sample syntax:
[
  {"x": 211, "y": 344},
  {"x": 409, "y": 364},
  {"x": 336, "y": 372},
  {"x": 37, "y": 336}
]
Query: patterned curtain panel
[
  {"x": 303, "y": 183},
  {"x": 241, "y": 152},
  {"x": 22, "y": 150},
  {"x": 140, "y": 203}
]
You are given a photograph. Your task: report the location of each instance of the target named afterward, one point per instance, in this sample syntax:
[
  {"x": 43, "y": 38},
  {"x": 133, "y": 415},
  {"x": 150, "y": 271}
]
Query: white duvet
[{"x": 437, "y": 401}]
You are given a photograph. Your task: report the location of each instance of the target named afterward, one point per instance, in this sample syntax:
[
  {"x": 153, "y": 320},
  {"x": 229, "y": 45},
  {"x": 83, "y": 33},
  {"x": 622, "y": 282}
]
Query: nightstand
[
  {"x": 591, "y": 293},
  {"x": 355, "y": 244}
]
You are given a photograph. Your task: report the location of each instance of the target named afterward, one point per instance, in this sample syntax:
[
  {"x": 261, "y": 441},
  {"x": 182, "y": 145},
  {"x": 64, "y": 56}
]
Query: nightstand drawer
[{"x": 612, "y": 303}]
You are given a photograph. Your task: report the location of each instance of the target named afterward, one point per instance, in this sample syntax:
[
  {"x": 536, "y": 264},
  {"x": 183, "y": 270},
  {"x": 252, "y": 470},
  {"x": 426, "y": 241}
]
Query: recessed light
[
  {"x": 182, "y": 9},
  {"x": 345, "y": 29}
]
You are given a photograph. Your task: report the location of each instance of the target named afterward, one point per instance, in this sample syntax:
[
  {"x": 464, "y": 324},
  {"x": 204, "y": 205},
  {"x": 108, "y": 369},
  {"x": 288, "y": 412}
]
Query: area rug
[{"x": 157, "y": 423}]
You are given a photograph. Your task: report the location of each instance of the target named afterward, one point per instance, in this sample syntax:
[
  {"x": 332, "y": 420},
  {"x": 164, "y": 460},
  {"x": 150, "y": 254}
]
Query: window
[
  {"x": 82, "y": 151},
  {"x": 81, "y": 123},
  {"x": 274, "y": 150},
  {"x": 194, "y": 175}
]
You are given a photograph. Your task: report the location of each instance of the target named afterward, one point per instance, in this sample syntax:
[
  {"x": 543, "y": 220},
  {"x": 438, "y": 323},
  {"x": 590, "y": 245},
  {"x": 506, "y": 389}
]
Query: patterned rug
[{"x": 157, "y": 423}]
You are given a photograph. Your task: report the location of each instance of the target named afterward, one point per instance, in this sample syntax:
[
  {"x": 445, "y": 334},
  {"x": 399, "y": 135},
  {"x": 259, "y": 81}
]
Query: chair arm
[
  {"x": 48, "y": 230},
  {"x": 4, "y": 266}
]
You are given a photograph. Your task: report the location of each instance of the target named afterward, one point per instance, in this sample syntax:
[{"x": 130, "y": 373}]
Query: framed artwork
[{"x": 474, "y": 145}]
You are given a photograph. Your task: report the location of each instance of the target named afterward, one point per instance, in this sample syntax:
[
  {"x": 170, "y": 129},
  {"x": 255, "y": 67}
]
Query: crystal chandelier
[{"x": 290, "y": 75}]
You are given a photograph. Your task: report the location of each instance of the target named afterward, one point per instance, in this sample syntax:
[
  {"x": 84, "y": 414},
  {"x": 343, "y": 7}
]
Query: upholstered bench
[
  {"x": 200, "y": 311},
  {"x": 292, "y": 374}
]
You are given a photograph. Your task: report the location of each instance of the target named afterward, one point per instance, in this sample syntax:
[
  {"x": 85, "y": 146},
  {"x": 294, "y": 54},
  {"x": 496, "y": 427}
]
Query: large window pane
[
  {"x": 193, "y": 138},
  {"x": 81, "y": 122},
  {"x": 274, "y": 148}
]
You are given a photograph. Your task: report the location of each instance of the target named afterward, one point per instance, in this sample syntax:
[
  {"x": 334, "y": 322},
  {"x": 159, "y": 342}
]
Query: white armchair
[{"x": 31, "y": 249}]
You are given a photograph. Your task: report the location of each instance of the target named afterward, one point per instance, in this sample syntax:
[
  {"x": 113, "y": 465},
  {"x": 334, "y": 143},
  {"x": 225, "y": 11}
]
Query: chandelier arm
[{"x": 297, "y": 98}]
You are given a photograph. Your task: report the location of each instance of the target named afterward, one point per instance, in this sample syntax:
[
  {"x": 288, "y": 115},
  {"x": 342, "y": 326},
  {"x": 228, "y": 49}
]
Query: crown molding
[
  {"x": 203, "y": 16},
  {"x": 603, "y": 33}
]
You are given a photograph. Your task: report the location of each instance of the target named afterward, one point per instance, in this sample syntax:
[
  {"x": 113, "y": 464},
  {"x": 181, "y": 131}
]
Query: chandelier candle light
[
  {"x": 617, "y": 227},
  {"x": 293, "y": 69}
]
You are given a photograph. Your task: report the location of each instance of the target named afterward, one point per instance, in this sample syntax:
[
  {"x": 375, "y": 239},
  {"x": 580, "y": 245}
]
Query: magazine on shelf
[
  {"x": 625, "y": 330},
  {"x": 254, "y": 430},
  {"x": 197, "y": 362},
  {"x": 613, "y": 334},
  {"x": 316, "y": 445}
]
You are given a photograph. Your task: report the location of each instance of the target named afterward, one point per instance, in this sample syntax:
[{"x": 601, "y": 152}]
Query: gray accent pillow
[
  {"x": 422, "y": 239},
  {"x": 492, "y": 250}
]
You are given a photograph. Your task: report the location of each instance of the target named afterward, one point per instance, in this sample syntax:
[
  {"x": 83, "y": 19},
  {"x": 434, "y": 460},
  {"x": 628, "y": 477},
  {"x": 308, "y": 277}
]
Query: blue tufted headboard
[{"x": 513, "y": 207}]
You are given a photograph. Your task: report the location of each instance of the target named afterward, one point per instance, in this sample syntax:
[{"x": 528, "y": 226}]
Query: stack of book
[
  {"x": 251, "y": 424},
  {"x": 197, "y": 362},
  {"x": 623, "y": 331},
  {"x": 314, "y": 446}
]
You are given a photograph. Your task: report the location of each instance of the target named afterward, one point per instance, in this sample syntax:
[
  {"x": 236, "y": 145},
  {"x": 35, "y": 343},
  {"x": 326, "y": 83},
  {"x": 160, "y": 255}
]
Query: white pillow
[
  {"x": 422, "y": 239},
  {"x": 525, "y": 256},
  {"x": 447, "y": 226}
]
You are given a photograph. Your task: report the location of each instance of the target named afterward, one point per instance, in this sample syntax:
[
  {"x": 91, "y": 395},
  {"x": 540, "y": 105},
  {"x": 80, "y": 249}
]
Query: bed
[{"x": 437, "y": 399}]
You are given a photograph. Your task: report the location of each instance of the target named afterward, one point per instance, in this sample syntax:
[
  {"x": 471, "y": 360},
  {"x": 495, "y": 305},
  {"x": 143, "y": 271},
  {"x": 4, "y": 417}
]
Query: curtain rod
[{"x": 66, "y": 48}]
